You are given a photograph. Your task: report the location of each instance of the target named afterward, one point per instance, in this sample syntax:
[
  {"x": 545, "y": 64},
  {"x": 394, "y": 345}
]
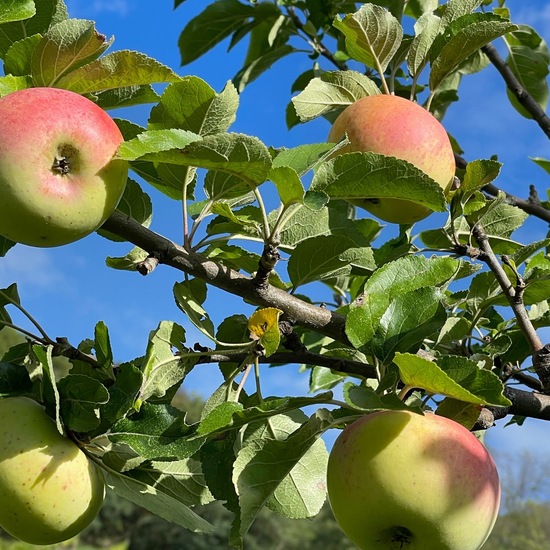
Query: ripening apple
[
  {"x": 49, "y": 490},
  {"x": 393, "y": 126},
  {"x": 58, "y": 179},
  {"x": 401, "y": 480}
]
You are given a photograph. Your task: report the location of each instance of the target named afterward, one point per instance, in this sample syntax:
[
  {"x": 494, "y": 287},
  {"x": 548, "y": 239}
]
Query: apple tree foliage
[{"x": 446, "y": 317}]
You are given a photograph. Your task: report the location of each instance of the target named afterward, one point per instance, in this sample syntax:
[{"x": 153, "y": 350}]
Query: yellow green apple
[
  {"x": 58, "y": 179},
  {"x": 393, "y": 126},
  {"x": 401, "y": 480},
  {"x": 49, "y": 489}
]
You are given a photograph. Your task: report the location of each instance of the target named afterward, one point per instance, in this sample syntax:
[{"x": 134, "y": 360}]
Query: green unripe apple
[
  {"x": 400, "y": 480},
  {"x": 396, "y": 127},
  {"x": 58, "y": 179},
  {"x": 49, "y": 490}
]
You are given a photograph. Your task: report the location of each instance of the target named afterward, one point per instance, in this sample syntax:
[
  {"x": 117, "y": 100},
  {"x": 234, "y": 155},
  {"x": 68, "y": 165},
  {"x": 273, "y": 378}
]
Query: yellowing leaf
[{"x": 264, "y": 326}]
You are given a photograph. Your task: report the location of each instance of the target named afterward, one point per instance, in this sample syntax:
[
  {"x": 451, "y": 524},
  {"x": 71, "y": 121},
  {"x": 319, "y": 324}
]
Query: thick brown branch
[
  {"x": 515, "y": 86},
  {"x": 524, "y": 403},
  {"x": 307, "y": 315}
]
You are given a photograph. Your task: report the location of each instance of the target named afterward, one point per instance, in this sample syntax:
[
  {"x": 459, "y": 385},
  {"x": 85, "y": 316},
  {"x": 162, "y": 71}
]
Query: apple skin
[
  {"x": 401, "y": 480},
  {"x": 393, "y": 126},
  {"x": 50, "y": 491},
  {"x": 58, "y": 179}
]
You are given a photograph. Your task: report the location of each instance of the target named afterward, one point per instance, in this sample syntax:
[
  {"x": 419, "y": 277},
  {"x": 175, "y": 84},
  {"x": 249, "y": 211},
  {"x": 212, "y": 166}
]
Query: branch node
[
  {"x": 268, "y": 261},
  {"x": 149, "y": 264}
]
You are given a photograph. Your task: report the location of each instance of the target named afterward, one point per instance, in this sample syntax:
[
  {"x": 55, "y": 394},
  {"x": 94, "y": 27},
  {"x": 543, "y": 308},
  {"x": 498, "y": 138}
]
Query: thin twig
[
  {"x": 315, "y": 42},
  {"x": 518, "y": 307},
  {"x": 539, "y": 352}
]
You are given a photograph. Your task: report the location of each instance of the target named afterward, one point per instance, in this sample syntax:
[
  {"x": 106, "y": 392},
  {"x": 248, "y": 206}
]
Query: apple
[
  {"x": 58, "y": 179},
  {"x": 401, "y": 480},
  {"x": 49, "y": 489},
  {"x": 393, "y": 126}
]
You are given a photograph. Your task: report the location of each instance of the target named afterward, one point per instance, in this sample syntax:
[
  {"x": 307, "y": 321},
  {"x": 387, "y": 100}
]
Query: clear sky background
[{"x": 70, "y": 289}]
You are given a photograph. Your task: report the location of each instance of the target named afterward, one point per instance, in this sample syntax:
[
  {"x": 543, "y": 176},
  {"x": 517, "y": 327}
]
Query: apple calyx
[
  {"x": 65, "y": 162},
  {"x": 398, "y": 537}
]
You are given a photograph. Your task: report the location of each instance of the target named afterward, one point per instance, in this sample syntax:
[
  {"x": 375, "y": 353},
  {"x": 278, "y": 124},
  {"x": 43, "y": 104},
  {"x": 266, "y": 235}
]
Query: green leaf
[
  {"x": 478, "y": 174},
  {"x": 9, "y": 295},
  {"x": 9, "y": 84},
  {"x": 301, "y": 493},
  {"x": 17, "y": 60},
  {"x": 253, "y": 70},
  {"x": 499, "y": 221},
  {"x": 303, "y": 157},
  {"x": 246, "y": 221},
  {"x": 323, "y": 257},
  {"x": 410, "y": 319},
  {"x": 361, "y": 175},
  {"x": 217, "y": 457},
  {"x": 288, "y": 183},
  {"x": 189, "y": 296},
  {"x": 528, "y": 59},
  {"x": 543, "y": 163},
  {"x": 117, "y": 70},
  {"x": 230, "y": 415},
  {"x": 463, "y": 413},
  {"x": 219, "y": 419},
  {"x": 330, "y": 91},
  {"x": 388, "y": 283},
  {"x": 14, "y": 380},
  {"x": 219, "y": 186},
  {"x": 304, "y": 223},
  {"x": 123, "y": 393},
  {"x": 457, "y": 8},
  {"x": 150, "y": 142},
  {"x": 181, "y": 479},
  {"x": 162, "y": 367},
  {"x": 48, "y": 13},
  {"x": 194, "y": 106},
  {"x": 460, "y": 39},
  {"x": 480, "y": 386},
  {"x": 156, "y": 501},
  {"x": 126, "y": 96},
  {"x": 415, "y": 8},
  {"x": 263, "y": 464},
  {"x": 426, "y": 30},
  {"x": 322, "y": 378},
  {"x": 15, "y": 10},
  {"x": 102, "y": 345},
  {"x": 214, "y": 23},
  {"x": 156, "y": 432},
  {"x": 81, "y": 397},
  {"x": 372, "y": 34},
  {"x": 130, "y": 261},
  {"x": 481, "y": 382},
  {"x": 366, "y": 399},
  {"x": 240, "y": 155},
  {"x": 64, "y": 48}
]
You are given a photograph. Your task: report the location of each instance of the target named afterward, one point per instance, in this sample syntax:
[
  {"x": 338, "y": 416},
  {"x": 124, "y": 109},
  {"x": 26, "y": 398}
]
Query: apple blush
[{"x": 59, "y": 178}]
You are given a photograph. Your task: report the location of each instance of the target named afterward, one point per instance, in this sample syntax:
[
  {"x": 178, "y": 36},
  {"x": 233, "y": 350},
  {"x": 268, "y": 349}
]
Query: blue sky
[{"x": 69, "y": 289}]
